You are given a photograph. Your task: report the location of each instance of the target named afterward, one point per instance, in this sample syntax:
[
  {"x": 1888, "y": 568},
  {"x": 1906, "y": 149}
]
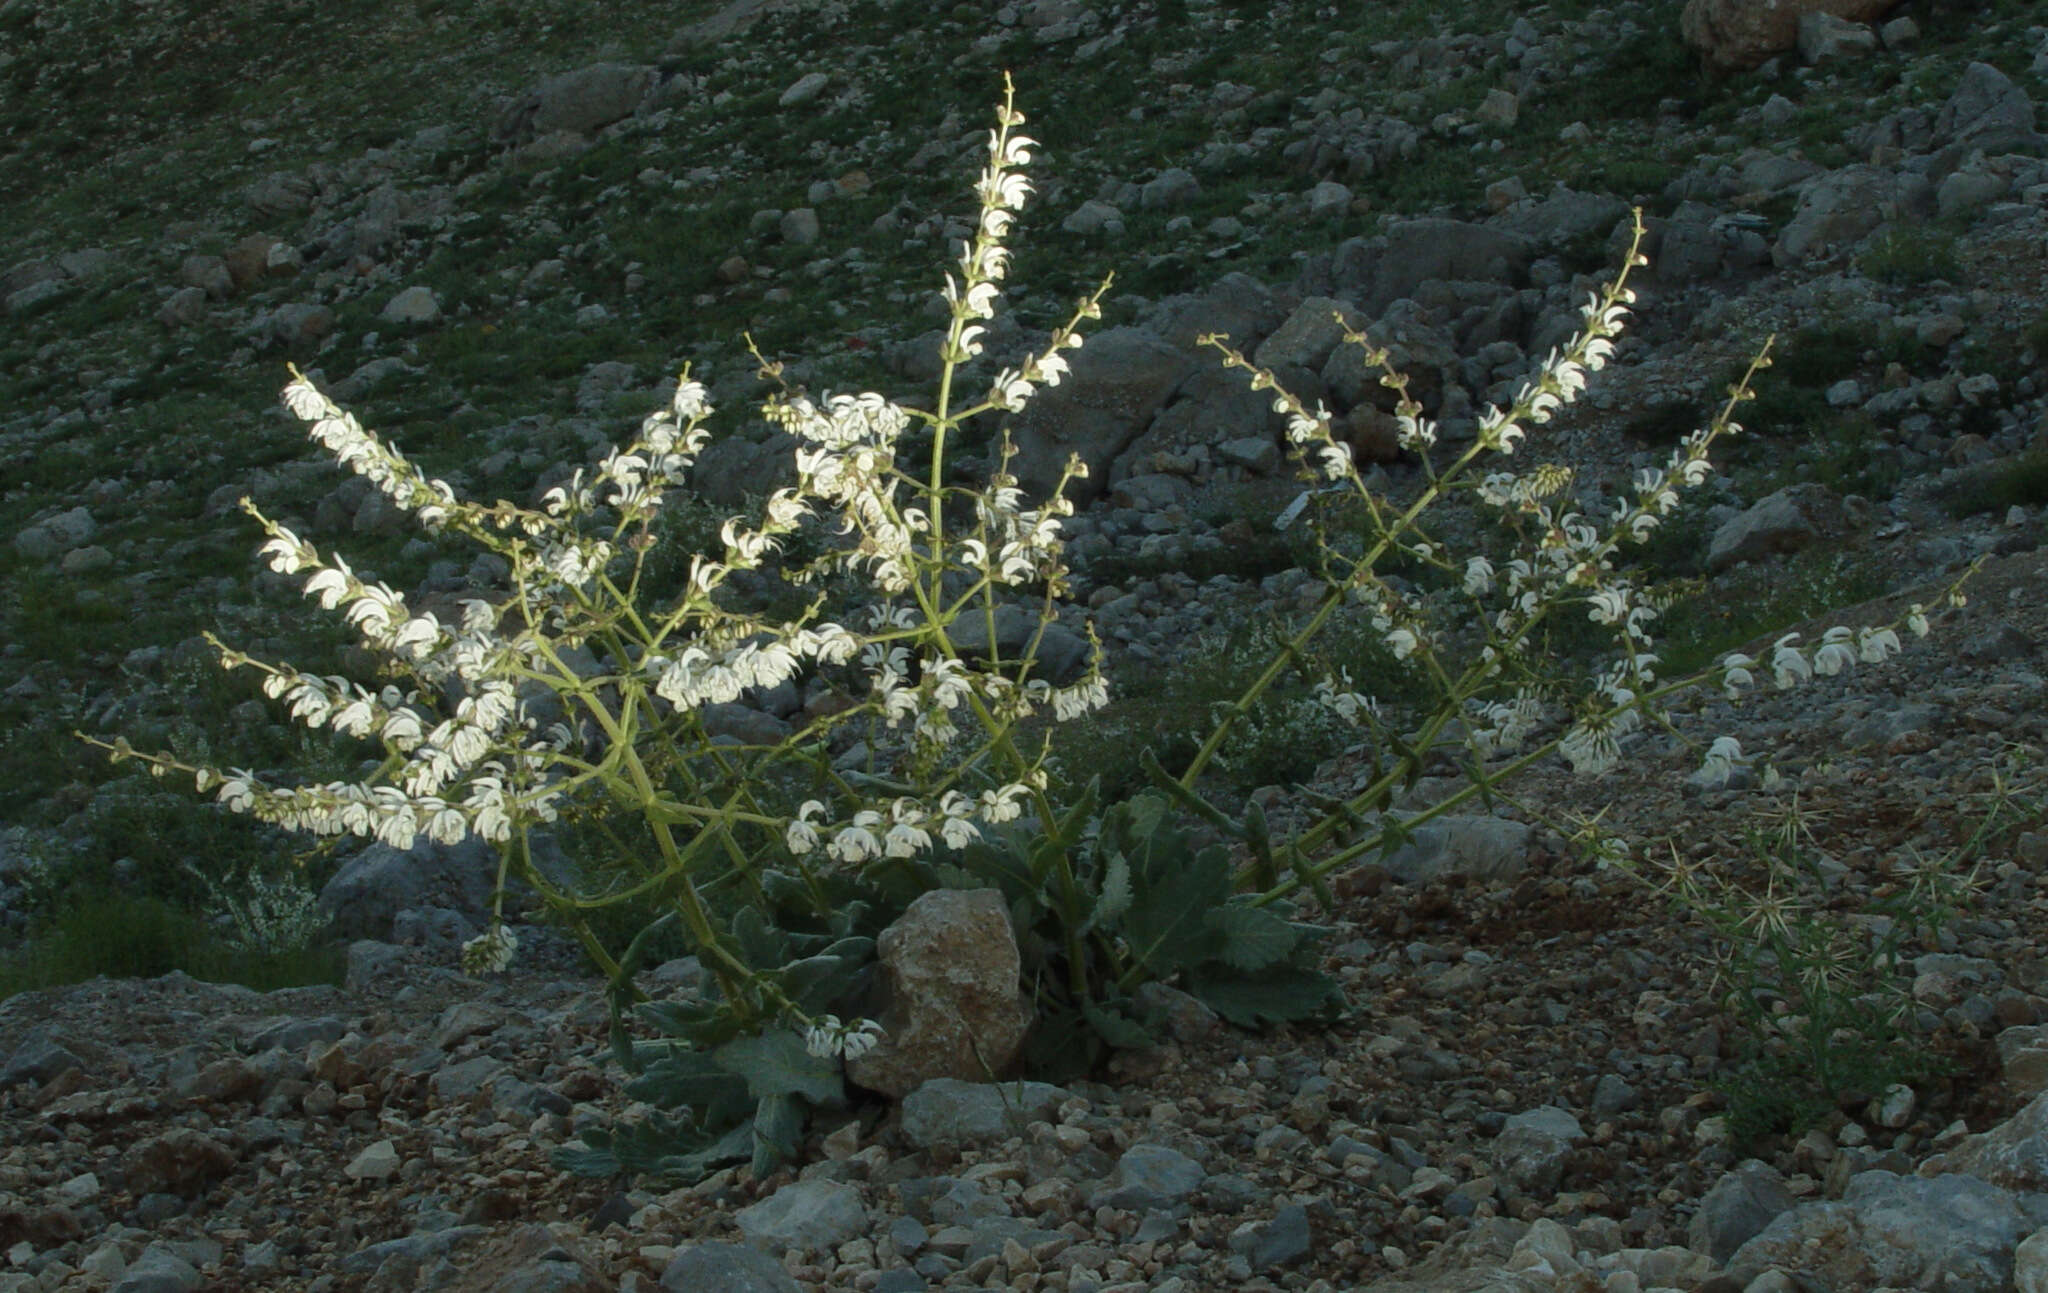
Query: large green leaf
[
  {"x": 1115, "y": 897},
  {"x": 1253, "y": 937},
  {"x": 778, "y": 1128},
  {"x": 1167, "y": 928},
  {"x": 1117, "y": 1028},
  {"x": 777, "y": 1063},
  {"x": 1277, "y": 996}
]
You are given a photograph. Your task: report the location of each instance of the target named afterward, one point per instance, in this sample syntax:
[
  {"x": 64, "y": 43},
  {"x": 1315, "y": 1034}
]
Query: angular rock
[
  {"x": 1824, "y": 38},
  {"x": 1736, "y": 1209},
  {"x": 1489, "y": 848},
  {"x": 2012, "y": 1155},
  {"x": 180, "y": 1161},
  {"x": 806, "y": 1216},
  {"x": 583, "y": 101},
  {"x": 1987, "y": 111},
  {"x": 1530, "y": 1151},
  {"x": 946, "y": 1111},
  {"x": 1948, "y": 1232},
  {"x": 415, "y": 304},
  {"x": 730, "y": 1268},
  {"x": 1735, "y": 35},
  {"x": 1120, "y": 381},
  {"x": 1787, "y": 521},
  {"x": 952, "y": 1004}
]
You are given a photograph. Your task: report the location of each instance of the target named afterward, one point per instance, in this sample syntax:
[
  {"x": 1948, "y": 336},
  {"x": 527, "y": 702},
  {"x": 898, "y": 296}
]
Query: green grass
[{"x": 107, "y": 933}]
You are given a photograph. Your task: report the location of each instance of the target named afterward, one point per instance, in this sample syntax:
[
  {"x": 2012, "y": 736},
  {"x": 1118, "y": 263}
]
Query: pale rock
[{"x": 952, "y": 1002}]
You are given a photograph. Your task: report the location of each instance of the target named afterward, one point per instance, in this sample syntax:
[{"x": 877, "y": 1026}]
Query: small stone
[{"x": 379, "y": 1162}]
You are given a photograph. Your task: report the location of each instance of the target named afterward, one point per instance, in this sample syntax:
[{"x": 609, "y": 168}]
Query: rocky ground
[
  {"x": 1519, "y": 1096},
  {"x": 1515, "y": 1099}
]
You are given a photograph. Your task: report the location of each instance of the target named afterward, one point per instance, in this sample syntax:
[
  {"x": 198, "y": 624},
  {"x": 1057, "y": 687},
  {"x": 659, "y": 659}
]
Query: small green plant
[
  {"x": 1912, "y": 257},
  {"x": 1823, "y": 994},
  {"x": 2019, "y": 481}
]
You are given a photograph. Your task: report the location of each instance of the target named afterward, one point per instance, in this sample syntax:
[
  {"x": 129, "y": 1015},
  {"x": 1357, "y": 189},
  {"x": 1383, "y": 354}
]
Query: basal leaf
[
  {"x": 1167, "y": 927},
  {"x": 1117, "y": 1028},
  {"x": 1115, "y": 898},
  {"x": 777, "y": 1129},
  {"x": 1277, "y": 996},
  {"x": 1253, "y": 938},
  {"x": 777, "y": 1063}
]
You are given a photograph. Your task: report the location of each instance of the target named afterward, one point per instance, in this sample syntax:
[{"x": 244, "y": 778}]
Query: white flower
[
  {"x": 1720, "y": 763},
  {"x": 1735, "y": 674},
  {"x": 491, "y": 951},
  {"x": 857, "y": 842},
  {"x": 1874, "y": 646},
  {"x": 1835, "y": 653},
  {"x": 1478, "y": 576},
  {"x": 1916, "y": 620},
  {"x": 802, "y": 837},
  {"x": 827, "y": 1037},
  {"x": 1789, "y": 667}
]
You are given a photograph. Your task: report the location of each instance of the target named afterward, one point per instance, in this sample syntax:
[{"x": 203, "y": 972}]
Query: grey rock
[
  {"x": 2012, "y": 1155},
  {"x": 1612, "y": 1094},
  {"x": 280, "y": 194},
  {"x": 806, "y": 1216},
  {"x": 582, "y": 101},
  {"x": 1309, "y": 335},
  {"x": 1093, "y": 217},
  {"x": 1988, "y": 112},
  {"x": 1786, "y": 521},
  {"x": 29, "y": 298},
  {"x": 1490, "y": 848},
  {"x": 1736, "y": 1209},
  {"x": 1835, "y": 210},
  {"x": 947, "y": 1111},
  {"x": 802, "y": 90},
  {"x": 1062, "y": 653},
  {"x": 40, "y": 1056},
  {"x": 799, "y": 227},
  {"x": 295, "y": 326},
  {"x": 379, "y": 882},
  {"x": 413, "y": 305},
  {"x": 1171, "y": 189},
  {"x": 294, "y": 1035},
  {"x": 54, "y": 536},
  {"x": 1530, "y": 1151},
  {"x": 730, "y": 1268},
  {"x": 1266, "y": 1245},
  {"x": 158, "y": 1270},
  {"x": 208, "y": 273},
  {"x": 183, "y": 308},
  {"x": 1566, "y": 215},
  {"x": 1120, "y": 381},
  {"x": 1824, "y": 38},
  {"x": 1947, "y": 1232},
  {"x": 1375, "y": 274},
  {"x": 1150, "y": 1176}
]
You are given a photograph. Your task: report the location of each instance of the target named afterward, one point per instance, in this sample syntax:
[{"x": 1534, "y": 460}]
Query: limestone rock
[
  {"x": 1735, "y": 35},
  {"x": 950, "y": 985}
]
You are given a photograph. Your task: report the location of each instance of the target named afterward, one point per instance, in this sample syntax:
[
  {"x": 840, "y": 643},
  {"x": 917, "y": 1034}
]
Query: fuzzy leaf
[
  {"x": 777, "y": 1128},
  {"x": 777, "y": 1063},
  {"x": 1115, "y": 898},
  {"x": 815, "y": 982},
  {"x": 1167, "y": 927},
  {"x": 1278, "y": 996},
  {"x": 1253, "y": 938},
  {"x": 1117, "y": 1028}
]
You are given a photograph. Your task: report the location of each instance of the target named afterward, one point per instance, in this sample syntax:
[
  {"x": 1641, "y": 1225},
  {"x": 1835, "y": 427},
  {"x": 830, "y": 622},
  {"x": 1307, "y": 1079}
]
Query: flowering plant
[{"x": 579, "y": 688}]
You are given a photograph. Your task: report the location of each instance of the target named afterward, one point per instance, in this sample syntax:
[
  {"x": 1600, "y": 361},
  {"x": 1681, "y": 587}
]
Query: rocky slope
[{"x": 502, "y": 277}]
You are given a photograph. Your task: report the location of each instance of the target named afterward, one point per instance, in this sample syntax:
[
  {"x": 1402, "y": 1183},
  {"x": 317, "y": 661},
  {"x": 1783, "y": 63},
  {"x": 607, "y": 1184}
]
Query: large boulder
[
  {"x": 1949, "y": 1232},
  {"x": 1987, "y": 111},
  {"x": 583, "y": 102},
  {"x": 1735, "y": 35},
  {"x": 1120, "y": 380},
  {"x": 952, "y": 1005},
  {"x": 1376, "y": 273}
]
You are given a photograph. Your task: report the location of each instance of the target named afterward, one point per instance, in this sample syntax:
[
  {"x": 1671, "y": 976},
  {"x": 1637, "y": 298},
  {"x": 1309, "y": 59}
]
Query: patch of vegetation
[
  {"x": 1912, "y": 257},
  {"x": 2019, "y": 481},
  {"x": 105, "y": 932}
]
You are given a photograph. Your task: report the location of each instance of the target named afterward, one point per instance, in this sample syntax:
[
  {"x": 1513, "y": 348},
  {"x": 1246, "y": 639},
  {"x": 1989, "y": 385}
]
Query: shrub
[{"x": 585, "y": 689}]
